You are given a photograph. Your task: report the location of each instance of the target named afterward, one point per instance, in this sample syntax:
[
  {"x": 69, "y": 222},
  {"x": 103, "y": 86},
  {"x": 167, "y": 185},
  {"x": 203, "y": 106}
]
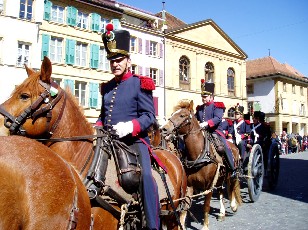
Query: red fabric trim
[
  {"x": 220, "y": 105},
  {"x": 210, "y": 102},
  {"x": 99, "y": 123},
  {"x": 242, "y": 136},
  {"x": 211, "y": 123},
  {"x": 126, "y": 76},
  {"x": 247, "y": 122},
  {"x": 146, "y": 82},
  {"x": 230, "y": 122},
  {"x": 137, "y": 128}
]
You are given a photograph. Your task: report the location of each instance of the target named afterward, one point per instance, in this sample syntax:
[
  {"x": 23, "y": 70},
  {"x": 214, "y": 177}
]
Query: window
[
  {"x": 56, "y": 45},
  {"x": 293, "y": 89},
  {"x": 153, "y": 75},
  {"x": 301, "y": 91},
  {"x": 103, "y": 24},
  {"x": 302, "y": 110},
  {"x": 230, "y": 82},
  {"x": 284, "y": 87},
  {"x": 80, "y": 92},
  {"x": 103, "y": 61},
  {"x": 81, "y": 54},
  {"x": 133, "y": 44},
  {"x": 82, "y": 20},
  {"x": 153, "y": 48},
  {"x": 184, "y": 69},
  {"x": 25, "y": 10},
  {"x": 57, "y": 80},
  {"x": 95, "y": 22},
  {"x": 23, "y": 54},
  {"x": 57, "y": 13},
  {"x": 133, "y": 69},
  {"x": 231, "y": 113},
  {"x": 209, "y": 72},
  {"x": 250, "y": 89}
]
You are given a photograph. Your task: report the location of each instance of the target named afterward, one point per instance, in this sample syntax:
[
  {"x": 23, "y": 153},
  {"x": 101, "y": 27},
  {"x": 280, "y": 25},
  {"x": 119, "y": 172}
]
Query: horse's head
[
  {"x": 181, "y": 121},
  {"x": 28, "y": 110}
]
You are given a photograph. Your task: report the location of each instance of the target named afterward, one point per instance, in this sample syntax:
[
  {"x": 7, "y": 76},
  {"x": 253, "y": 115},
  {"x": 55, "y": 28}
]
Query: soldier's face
[
  {"x": 207, "y": 98},
  {"x": 120, "y": 66}
]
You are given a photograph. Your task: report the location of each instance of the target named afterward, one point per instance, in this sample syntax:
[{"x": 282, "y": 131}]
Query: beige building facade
[
  {"x": 203, "y": 51},
  {"x": 280, "y": 91}
]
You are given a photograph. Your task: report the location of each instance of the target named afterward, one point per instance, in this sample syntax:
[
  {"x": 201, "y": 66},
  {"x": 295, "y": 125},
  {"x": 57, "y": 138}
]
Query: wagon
[{"x": 261, "y": 169}]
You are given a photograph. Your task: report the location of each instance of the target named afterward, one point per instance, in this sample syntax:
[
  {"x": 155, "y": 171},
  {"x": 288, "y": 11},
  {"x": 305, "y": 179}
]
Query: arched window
[
  {"x": 184, "y": 69},
  {"x": 209, "y": 72},
  {"x": 230, "y": 79},
  {"x": 231, "y": 113}
]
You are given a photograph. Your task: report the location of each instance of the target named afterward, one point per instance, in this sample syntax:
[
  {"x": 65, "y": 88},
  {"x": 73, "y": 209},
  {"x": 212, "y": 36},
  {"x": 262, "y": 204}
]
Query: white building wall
[{"x": 264, "y": 93}]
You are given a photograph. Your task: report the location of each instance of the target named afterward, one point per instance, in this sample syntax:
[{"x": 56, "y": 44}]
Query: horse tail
[{"x": 234, "y": 186}]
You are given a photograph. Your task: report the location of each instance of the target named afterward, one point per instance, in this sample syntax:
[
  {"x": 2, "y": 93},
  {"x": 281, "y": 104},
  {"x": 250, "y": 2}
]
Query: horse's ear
[
  {"x": 29, "y": 70},
  {"x": 46, "y": 70},
  {"x": 191, "y": 105}
]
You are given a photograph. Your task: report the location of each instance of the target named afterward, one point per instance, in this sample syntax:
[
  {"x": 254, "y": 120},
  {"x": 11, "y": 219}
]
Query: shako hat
[
  {"x": 116, "y": 42},
  {"x": 207, "y": 88},
  {"x": 239, "y": 108}
]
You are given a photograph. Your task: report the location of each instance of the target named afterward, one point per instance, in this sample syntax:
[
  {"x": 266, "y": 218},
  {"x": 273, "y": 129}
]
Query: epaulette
[
  {"x": 247, "y": 122},
  {"x": 219, "y": 105},
  {"x": 147, "y": 83},
  {"x": 230, "y": 122}
]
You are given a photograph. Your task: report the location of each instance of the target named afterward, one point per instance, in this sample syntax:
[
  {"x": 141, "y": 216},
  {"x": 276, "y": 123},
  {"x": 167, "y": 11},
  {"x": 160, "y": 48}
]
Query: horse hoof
[
  {"x": 221, "y": 217},
  {"x": 234, "y": 209}
]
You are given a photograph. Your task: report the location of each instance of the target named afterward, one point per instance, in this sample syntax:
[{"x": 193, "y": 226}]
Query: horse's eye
[{"x": 24, "y": 96}]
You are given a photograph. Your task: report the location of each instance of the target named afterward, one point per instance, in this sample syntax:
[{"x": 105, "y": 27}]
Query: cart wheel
[
  {"x": 273, "y": 167},
  {"x": 255, "y": 172}
]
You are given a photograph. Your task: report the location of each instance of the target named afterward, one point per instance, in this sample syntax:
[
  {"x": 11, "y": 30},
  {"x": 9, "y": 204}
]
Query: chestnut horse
[
  {"x": 39, "y": 190},
  {"x": 204, "y": 167},
  {"x": 39, "y": 108}
]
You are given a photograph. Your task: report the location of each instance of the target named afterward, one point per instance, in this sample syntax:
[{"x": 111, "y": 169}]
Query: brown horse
[
  {"x": 39, "y": 108},
  {"x": 204, "y": 167},
  {"x": 39, "y": 190}
]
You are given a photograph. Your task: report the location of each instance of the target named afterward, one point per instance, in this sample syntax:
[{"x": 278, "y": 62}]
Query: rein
[{"x": 14, "y": 124}]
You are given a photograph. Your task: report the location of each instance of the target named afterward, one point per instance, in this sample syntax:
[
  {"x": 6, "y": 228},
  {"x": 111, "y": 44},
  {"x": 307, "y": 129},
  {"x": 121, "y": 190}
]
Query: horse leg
[
  {"x": 207, "y": 208},
  {"x": 234, "y": 193},
  {"x": 222, "y": 210},
  {"x": 183, "y": 215}
]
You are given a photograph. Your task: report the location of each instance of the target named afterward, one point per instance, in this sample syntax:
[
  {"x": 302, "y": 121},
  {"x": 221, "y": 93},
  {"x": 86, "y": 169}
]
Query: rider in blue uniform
[
  {"x": 127, "y": 105},
  {"x": 210, "y": 114}
]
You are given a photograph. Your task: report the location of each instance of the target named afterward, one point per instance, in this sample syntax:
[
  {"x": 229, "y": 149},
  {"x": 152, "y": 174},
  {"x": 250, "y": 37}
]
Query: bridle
[
  {"x": 184, "y": 123},
  {"x": 35, "y": 110}
]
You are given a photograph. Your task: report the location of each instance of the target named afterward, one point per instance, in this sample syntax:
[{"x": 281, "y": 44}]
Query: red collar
[
  {"x": 125, "y": 76},
  {"x": 208, "y": 103}
]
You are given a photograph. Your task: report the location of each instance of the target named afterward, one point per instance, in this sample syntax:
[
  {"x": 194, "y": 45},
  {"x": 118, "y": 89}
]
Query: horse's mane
[{"x": 182, "y": 104}]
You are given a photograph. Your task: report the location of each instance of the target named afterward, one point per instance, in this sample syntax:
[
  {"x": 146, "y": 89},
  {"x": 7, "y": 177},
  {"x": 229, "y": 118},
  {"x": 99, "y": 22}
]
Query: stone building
[{"x": 280, "y": 91}]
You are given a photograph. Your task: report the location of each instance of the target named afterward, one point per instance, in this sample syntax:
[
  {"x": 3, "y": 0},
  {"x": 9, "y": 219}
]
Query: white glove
[
  {"x": 124, "y": 128},
  {"x": 204, "y": 125},
  {"x": 230, "y": 140}
]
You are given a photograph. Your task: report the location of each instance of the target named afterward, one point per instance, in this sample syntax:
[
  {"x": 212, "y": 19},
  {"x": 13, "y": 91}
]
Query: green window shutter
[
  {"x": 94, "y": 56},
  {"x": 96, "y": 18},
  {"x": 71, "y": 16},
  {"x": 47, "y": 10},
  {"x": 116, "y": 24},
  {"x": 68, "y": 83},
  {"x": 45, "y": 45},
  {"x": 70, "y": 51},
  {"x": 93, "y": 100}
]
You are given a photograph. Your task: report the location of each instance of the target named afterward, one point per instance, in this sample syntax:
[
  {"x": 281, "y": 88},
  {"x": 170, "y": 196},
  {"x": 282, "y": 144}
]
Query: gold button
[
  {"x": 114, "y": 92},
  {"x": 108, "y": 120},
  {"x": 110, "y": 110},
  {"x": 111, "y": 101},
  {"x": 111, "y": 106}
]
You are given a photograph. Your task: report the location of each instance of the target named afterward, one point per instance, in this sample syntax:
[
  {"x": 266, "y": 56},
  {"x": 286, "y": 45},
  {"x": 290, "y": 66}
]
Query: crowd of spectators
[{"x": 291, "y": 143}]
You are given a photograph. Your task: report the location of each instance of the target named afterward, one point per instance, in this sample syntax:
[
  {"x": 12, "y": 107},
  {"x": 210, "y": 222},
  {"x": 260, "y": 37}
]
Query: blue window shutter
[
  {"x": 68, "y": 83},
  {"x": 147, "y": 47},
  {"x": 161, "y": 77},
  {"x": 94, "y": 56},
  {"x": 116, "y": 24},
  {"x": 70, "y": 51},
  {"x": 47, "y": 10},
  {"x": 71, "y": 16},
  {"x": 45, "y": 45},
  {"x": 140, "y": 45},
  {"x": 96, "y": 18},
  {"x": 93, "y": 100}
]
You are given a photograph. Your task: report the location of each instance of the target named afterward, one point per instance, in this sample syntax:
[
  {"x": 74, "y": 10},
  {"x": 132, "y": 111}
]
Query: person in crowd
[
  {"x": 128, "y": 107},
  {"x": 210, "y": 114},
  {"x": 299, "y": 140},
  {"x": 241, "y": 135},
  {"x": 284, "y": 142},
  {"x": 305, "y": 143}
]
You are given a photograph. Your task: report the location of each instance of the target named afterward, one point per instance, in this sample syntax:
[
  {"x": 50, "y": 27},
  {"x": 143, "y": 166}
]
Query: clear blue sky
[{"x": 254, "y": 25}]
